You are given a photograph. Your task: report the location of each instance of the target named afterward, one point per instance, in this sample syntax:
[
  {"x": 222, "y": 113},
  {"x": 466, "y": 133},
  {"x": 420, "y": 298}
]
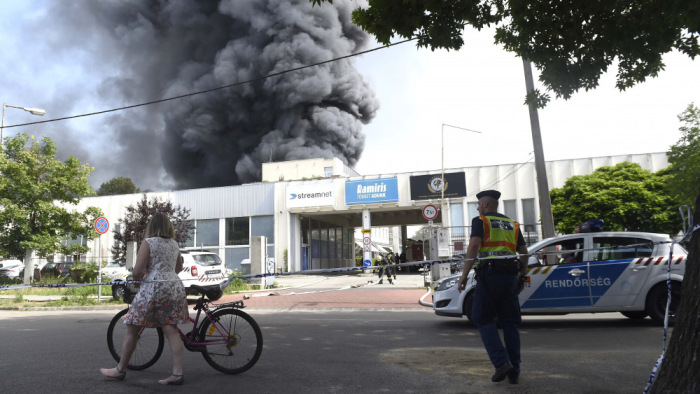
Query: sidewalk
[{"x": 337, "y": 292}]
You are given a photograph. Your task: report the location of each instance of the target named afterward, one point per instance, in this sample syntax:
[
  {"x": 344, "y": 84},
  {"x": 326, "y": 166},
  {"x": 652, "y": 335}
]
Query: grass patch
[{"x": 236, "y": 285}]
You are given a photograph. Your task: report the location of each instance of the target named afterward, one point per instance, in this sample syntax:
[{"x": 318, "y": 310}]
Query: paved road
[{"x": 347, "y": 350}]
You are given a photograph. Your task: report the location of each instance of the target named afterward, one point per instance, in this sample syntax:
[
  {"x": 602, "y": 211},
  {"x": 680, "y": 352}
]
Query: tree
[
  {"x": 684, "y": 158},
  {"x": 571, "y": 42},
  {"x": 118, "y": 185},
  {"x": 133, "y": 226},
  {"x": 625, "y": 196},
  {"x": 36, "y": 191}
]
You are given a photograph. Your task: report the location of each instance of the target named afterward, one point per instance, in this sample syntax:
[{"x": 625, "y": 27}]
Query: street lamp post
[
  {"x": 33, "y": 111},
  {"x": 442, "y": 180},
  {"x": 28, "y": 272}
]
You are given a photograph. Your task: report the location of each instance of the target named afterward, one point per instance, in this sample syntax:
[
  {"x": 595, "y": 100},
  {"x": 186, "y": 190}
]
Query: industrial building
[{"x": 311, "y": 211}]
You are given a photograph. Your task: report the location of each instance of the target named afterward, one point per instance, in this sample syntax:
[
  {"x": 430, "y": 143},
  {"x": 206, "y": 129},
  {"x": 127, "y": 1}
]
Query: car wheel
[
  {"x": 635, "y": 314},
  {"x": 118, "y": 292},
  {"x": 467, "y": 306},
  {"x": 656, "y": 303}
]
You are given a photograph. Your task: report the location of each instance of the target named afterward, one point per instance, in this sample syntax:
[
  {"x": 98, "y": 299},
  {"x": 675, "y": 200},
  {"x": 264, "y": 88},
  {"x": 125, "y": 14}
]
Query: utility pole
[{"x": 540, "y": 168}]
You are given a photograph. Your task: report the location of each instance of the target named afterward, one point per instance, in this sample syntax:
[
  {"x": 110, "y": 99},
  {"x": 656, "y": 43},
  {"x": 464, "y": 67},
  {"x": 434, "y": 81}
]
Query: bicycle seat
[
  {"x": 213, "y": 294},
  {"x": 200, "y": 290}
]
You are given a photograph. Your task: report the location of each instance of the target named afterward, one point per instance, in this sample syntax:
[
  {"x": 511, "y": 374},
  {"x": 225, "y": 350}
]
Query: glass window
[
  {"x": 567, "y": 251},
  {"x": 235, "y": 257},
  {"x": 529, "y": 218},
  {"x": 263, "y": 226},
  {"x": 510, "y": 209},
  {"x": 237, "y": 231},
  {"x": 190, "y": 241},
  {"x": 207, "y": 232},
  {"x": 457, "y": 218},
  {"x": 472, "y": 212},
  {"x": 324, "y": 243},
  {"x": 328, "y": 172},
  {"x": 616, "y": 248}
]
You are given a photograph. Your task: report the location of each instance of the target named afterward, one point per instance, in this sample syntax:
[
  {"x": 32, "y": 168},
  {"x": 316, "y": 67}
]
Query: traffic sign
[
  {"x": 368, "y": 248},
  {"x": 367, "y": 263},
  {"x": 366, "y": 230},
  {"x": 367, "y": 240},
  {"x": 102, "y": 225},
  {"x": 430, "y": 212}
]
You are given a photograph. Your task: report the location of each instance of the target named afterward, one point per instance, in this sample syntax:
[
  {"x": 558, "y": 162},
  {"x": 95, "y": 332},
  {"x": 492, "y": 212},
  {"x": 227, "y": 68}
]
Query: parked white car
[
  {"x": 199, "y": 268},
  {"x": 622, "y": 272},
  {"x": 116, "y": 271},
  {"x": 203, "y": 269},
  {"x": 11, "y": 268}
]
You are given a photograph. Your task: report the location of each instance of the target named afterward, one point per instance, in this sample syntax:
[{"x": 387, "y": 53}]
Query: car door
[
  {"x": 615, "y": 278},
  {"x": 555, "y": 283}
]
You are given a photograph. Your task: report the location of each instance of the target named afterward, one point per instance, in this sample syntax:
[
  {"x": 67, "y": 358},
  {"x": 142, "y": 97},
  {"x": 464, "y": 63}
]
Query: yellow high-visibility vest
[{"x": 500, "y": 237}]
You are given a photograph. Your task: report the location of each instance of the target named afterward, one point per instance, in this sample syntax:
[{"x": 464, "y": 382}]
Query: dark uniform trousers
[{"x": 496, "y": 300}]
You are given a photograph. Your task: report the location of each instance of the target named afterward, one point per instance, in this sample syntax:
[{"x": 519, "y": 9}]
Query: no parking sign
[{"x": 102, "y": 225}]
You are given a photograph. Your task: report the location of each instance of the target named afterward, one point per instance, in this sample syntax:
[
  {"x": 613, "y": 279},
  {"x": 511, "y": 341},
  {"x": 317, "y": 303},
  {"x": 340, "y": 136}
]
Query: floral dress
[{"x": 161, "y": 299}]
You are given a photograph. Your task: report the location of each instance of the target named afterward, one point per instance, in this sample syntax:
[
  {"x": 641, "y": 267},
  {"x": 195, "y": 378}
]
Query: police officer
[{"x": 499, "y": 280}]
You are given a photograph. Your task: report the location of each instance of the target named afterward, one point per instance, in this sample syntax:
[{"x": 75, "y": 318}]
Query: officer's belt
[{"x": 483, "y": 255}]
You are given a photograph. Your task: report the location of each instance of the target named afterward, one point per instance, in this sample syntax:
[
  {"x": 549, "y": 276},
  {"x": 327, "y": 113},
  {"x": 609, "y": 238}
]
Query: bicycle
[{"x": 228, "y": 338}]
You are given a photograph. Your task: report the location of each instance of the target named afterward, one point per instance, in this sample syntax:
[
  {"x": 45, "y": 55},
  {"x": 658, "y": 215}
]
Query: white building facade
[{"x": 311, "y": 224}]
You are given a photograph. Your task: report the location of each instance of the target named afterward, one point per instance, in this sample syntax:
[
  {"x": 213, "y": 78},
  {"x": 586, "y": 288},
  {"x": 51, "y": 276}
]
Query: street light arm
[{"x": 33, "y": 111}]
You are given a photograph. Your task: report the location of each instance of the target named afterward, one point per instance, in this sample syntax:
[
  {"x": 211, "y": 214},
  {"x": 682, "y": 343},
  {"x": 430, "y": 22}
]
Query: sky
[{"x": 480, "y": 87}]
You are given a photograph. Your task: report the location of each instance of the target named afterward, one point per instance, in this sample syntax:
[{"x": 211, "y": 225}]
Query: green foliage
[
  {"x": 625, "y": 196},
  {"x": 36, "y": 191},
  {"x": 91, "y": 270},
  {"x": 571, "y": 42},
  {"x": 118, "y": 185},
  {"x": 134, "y": 224},
  {"x": 237, "y": 284},
  {"x": 684, "y": 158}
]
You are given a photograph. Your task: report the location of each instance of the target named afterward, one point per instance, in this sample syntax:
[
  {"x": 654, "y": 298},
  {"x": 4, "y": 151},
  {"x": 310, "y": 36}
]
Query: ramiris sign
[{"x": 368, "y": 191}]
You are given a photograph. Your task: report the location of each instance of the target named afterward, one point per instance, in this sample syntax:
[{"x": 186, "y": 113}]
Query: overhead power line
[{"x": 213, "y": 89}]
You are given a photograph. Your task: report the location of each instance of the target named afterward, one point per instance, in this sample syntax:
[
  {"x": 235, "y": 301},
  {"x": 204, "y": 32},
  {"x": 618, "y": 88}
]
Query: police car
[
  {"x": 587, "y": 273},
  {"x": 204, "y": 269}
]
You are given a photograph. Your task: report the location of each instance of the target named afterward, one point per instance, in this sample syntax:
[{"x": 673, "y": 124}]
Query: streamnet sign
[{"x": 310, "y": 195}]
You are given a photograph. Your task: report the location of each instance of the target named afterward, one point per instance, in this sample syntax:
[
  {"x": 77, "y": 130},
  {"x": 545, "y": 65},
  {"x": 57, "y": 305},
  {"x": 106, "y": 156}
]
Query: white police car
[
  {"x": 203, "y": 269},
  {"x": 605, "y": 272}
]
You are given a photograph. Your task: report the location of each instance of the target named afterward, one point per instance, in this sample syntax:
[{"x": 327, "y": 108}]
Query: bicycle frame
[{"x": 191, "y": 338}]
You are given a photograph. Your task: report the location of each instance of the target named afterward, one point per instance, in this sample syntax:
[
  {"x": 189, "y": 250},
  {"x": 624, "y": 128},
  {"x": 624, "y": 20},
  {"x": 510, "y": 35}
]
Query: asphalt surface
[{"x": 575, "y": 353}]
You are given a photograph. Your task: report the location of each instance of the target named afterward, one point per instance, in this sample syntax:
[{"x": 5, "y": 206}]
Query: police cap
[{"x": 495, "y": 194}]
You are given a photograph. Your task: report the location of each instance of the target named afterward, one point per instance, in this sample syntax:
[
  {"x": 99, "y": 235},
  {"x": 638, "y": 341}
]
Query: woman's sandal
[
  {"x": 177, "y": 382},
  {"x": 120, "y": 376}
]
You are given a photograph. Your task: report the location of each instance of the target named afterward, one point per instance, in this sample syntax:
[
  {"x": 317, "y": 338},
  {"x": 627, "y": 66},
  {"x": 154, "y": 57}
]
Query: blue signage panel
[{"x": 367, "y": 191}]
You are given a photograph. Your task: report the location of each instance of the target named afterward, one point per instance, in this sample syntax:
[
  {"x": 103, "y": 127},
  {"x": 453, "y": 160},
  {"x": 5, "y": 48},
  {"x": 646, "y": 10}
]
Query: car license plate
[{"x": 213, "y": 272}]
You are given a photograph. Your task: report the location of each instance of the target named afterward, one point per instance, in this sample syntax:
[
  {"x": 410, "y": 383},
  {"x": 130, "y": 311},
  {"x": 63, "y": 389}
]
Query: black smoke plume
[{"x": 157, "y": 49}]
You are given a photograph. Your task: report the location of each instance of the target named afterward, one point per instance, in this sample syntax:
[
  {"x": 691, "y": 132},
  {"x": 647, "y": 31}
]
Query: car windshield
[
  {"x": 51, "y": 265},
  {"x": 207, "y": 259}
]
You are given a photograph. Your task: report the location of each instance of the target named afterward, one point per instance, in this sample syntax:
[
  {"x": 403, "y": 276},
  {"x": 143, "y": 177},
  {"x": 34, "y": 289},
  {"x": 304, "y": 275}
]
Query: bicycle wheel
[
  {"x": 148, "y": 349},
  {"x": 235, "y": 341}
]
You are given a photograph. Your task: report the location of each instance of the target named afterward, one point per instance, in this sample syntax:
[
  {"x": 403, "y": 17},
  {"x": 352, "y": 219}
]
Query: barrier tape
[{"x": 426, "y": 264}]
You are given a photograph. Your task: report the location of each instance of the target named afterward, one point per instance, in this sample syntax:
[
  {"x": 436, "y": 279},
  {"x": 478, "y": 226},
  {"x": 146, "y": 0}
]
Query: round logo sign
[
  {"x": 430, "y": 212},
  {"x": 102, "y": 225}
]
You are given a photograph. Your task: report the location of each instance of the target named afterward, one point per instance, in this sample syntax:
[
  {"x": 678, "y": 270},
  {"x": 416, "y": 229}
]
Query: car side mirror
[{"x": 532, "y": 261}]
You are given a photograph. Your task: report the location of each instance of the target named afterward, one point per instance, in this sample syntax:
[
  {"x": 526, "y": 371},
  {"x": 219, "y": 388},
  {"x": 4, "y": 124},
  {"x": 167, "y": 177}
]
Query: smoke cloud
[{"x": 148, "y": 50}]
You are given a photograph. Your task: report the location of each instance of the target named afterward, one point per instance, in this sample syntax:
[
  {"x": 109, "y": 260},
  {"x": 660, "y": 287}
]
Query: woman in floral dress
[{"x": 161, "y": 300}]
